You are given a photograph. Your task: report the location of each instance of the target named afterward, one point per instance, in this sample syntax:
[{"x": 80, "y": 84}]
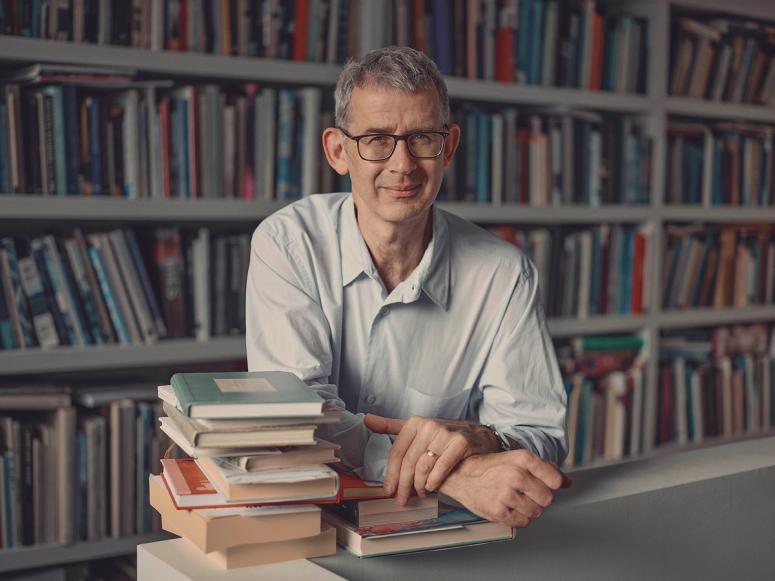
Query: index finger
[
  {"x": 382, "y": 425},
  {"x": 396, "y": 457}
]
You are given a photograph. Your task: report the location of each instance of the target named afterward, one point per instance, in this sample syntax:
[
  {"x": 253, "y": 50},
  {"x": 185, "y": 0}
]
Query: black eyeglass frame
[{"x": 396, "y": 139}]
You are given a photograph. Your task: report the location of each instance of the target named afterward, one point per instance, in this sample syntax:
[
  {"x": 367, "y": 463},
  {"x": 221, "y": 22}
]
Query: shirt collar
[{"x": 431, "y": 275}]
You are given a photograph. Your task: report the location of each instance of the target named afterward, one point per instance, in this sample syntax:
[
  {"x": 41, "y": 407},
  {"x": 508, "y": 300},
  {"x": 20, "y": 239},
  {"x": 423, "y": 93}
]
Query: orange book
[{"x": 596, "y": 65}]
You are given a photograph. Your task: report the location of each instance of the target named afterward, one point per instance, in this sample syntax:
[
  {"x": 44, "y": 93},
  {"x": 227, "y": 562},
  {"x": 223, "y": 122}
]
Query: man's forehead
[{"x": 375, "y": 107}]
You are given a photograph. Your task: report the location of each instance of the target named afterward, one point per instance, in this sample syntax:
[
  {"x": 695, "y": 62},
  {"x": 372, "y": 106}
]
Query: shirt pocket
[{"x": 442, "y": 406}]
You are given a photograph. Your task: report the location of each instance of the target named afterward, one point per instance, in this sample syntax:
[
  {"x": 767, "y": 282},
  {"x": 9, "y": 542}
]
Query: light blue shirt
[{"x": 464, "y": 337}]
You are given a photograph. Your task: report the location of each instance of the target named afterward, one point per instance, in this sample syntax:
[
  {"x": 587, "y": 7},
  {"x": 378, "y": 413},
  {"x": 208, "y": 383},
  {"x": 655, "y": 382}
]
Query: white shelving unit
[{"x": 655, "y": 107}]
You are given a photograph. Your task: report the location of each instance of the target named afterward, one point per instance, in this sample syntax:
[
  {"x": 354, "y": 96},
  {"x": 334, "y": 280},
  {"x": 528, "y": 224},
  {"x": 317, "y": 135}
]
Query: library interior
[{"x": 552, "y": 351}]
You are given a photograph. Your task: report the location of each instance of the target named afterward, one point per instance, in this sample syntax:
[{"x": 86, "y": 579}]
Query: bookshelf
[
  {"x": 655, "y": 108},
  {"x": 51, "y": 555}
]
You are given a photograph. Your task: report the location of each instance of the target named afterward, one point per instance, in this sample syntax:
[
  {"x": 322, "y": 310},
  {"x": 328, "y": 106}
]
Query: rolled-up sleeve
[
  {"x": 286, "y": 330},
  {"x": 522, "y": 391}
]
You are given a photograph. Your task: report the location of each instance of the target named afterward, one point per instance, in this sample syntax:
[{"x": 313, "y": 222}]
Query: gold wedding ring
[{"x": 432, "y": 454}]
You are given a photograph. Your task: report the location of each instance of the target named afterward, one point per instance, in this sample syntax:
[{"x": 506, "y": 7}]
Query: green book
[
  {"x": 239, "y": 394},
  {"x": 583, "y": 345}
]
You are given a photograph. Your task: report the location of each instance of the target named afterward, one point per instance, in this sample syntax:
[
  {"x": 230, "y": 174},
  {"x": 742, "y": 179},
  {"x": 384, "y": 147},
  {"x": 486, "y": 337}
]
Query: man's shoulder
[
  {"x": 311, "y": 217},
  {"x": 470, "y": 242}
]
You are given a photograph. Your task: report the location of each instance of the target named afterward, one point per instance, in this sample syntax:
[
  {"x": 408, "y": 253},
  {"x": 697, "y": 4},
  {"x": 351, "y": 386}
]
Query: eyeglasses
[{"x": 380, "y": 146}]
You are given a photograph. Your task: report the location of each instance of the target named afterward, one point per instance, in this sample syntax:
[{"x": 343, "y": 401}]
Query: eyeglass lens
[{"x": 377, "y": 147}]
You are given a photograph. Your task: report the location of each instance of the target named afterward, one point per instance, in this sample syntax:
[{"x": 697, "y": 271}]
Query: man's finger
[
  {"x": 396, "y": 456},
  {"x": 426, "y": 464},
  {"x": 546, "y": 472},
  {"x": 382, "y": 425},
  {"x": 419, "y": 445},
  {"x": 455, "y": 452}
]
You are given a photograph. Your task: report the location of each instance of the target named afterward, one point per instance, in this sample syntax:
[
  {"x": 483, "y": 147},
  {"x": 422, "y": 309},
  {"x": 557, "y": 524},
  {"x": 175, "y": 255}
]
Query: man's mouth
[{"x": 402, "y": 191}]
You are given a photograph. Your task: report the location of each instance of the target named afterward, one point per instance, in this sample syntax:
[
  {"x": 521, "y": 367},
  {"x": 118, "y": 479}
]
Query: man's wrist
[{"x": 500, "y": 442}]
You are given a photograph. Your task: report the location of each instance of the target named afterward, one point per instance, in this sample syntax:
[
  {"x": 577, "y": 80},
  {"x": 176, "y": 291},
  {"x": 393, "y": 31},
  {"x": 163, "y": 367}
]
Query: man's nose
[{"x": 402, "y": 160}]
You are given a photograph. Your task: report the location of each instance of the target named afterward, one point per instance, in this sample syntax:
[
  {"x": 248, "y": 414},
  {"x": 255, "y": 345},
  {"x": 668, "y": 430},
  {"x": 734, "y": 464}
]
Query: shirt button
[
  {"x": 371, "y": 398},
  {"x": 384, "y": 311}
]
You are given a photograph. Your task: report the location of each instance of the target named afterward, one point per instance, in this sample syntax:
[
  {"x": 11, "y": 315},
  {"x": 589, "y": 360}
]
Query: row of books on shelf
[
  {"x": 546, "y": 42},
  {"x": 97, "y": 288},
  {"x": 75, "y": 465},
  {"x": 604, "y": 268},
  {"x": 728, "y": 266},
  {"x": 299, "y": 30},
  {"x": 717, "y": 383},
  {"x": 536, "y": 42},
  {"x": 547, "y": 157},
  {"x": 722, "y": 163},
  {"x": 100, "y": 132},
  {"x": 723, "y": 59}
]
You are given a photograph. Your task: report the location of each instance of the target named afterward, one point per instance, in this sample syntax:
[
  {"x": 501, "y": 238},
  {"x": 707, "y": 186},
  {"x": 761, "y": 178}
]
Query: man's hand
[
  {"x": 509, "y": 488},
  {"x": 411, "y": 465}
]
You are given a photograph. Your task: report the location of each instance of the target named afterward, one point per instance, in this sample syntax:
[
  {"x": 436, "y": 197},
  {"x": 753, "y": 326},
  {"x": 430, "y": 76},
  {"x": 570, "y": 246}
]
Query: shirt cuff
[{"x": 375, "y": 458}]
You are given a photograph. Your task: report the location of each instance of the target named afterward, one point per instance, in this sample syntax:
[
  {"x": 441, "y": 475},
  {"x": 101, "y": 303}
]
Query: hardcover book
[{"x": 245, "y": 394}]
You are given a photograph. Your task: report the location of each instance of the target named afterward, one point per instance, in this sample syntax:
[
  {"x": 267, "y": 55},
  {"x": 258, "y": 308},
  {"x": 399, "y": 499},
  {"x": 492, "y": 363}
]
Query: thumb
[{"x": 382, "y": 425}]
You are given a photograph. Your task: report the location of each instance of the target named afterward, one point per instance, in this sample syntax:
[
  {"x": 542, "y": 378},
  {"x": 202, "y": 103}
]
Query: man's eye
[
  {"x": 377, "y": 140},
  {"x": 421, "y": 138}
]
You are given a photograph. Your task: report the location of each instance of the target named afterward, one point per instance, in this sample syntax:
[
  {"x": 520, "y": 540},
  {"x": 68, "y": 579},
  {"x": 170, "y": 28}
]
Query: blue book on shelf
[
  {"x": 36, "y": 251},
  {"x": 110, "y": 298},
  {"x": 77, "y": 272},
  {"x": 483, "y": 158},
  {"x": 71, "y": 136},
  {"x": 442, "y": 22},
  {"x": 284, "y": 142},
  {"x": 7, "y": 336},
  {"x": 19, "y": 302},
  {"x": 610, "y": 56},
  {"x": 60, "y": 291},
  {"x": 595, "y": 278},
  {"x": 524, "y": 38},
  {"x": 54, "y": 92},
  {"x": 536, "y": 41},
  {"x": 9, "y": 540},
  {"x": 471, "y": 144},
  {"x": 95, "y": 144},
  {"x": 718, "y": 151}
]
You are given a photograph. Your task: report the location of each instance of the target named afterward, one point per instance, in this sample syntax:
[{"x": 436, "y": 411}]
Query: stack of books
[
  {"x": 369, "y": 523},
  {"x": 248, "y": 492}
]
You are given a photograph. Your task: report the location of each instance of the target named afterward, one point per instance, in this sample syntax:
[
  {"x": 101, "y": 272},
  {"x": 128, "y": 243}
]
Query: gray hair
[{"x": 396, "y": 67}]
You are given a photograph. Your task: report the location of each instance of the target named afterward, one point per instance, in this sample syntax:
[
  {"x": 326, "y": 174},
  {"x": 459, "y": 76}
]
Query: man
[{"x": 419, "y": 324}]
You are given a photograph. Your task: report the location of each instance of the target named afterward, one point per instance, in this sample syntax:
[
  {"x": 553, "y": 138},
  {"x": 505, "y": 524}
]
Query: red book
[
  {"x": 353, "y": 488},
  {"x": 639, "y": 257},
  {"x": 504, "y": 55},
  {"x": 183, "y": 26},
  {"x": 301, "y": 30},
  {"x": 596, "y": 64}
]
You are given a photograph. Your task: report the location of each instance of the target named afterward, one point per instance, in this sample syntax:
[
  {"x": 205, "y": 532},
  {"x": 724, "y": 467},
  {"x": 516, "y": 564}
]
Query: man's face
[{"x": 401, "y": 188}]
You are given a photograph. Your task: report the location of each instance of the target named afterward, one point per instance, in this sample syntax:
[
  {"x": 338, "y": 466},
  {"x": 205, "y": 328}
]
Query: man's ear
[
  {"x": 333, "y": 146},
  {"x": 451, "y": 144}
]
